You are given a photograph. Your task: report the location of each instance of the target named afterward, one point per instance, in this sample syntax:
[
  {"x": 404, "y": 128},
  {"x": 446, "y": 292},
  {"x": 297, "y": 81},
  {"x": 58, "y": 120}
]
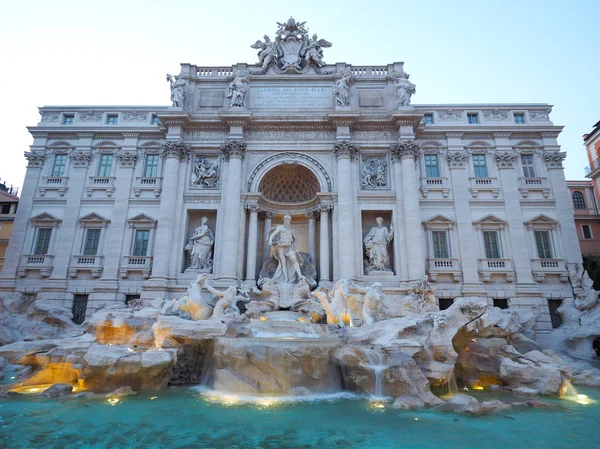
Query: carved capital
[
  {"x": 554, "y": 159},
  {"x": 127, "y": 158},
  {"x": 175, "y": 149},
  {"x": 266, "y": 214},
  {"x": 346, "y": 149},
  {"x": 457, "y": 159},
  {"x": 35, "y": 160},
  {"x": 505, "y": 159},
  {"x": 80, "y": 159},
  {"x": 252, "y": 207},
  {"x": 325, "y": 207},
  {"x": 233, "y": 149},
  {"x": 313, "y": 214},
  {"x": 404, "y": 150}
]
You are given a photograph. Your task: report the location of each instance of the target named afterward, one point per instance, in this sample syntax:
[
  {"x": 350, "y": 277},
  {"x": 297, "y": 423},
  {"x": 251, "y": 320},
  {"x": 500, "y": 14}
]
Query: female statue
[{"x": 200, "y": 247}]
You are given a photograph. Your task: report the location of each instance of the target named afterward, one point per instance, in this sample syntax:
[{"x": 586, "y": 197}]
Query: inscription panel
[
  {"x": 289, "y": 135},
  {"x": 291, "y": 97}
]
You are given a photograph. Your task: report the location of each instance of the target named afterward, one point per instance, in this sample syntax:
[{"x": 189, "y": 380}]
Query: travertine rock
[
  {"x": 408, "y": 403},
  {"x": 57, "y": 390}
]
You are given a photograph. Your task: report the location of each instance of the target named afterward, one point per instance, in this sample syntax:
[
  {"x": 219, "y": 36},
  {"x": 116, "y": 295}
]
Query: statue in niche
[
  {"x": 374, "y": 173},
  {"x": 200, "y": 248},
  {"x": 177, "y": 91},
  {"x": 376, "y": 243},
  {"x": 405, "y": 89},
  {"x": 205, "y": 173},
  {"x": 341, "y": 89},
  {"x": 286, "y": 265},
  {"x": 237, "y": 89}
]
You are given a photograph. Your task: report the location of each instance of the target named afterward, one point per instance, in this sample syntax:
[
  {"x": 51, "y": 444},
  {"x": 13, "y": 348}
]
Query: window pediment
[
  {"x": 542, "y": 221},
  {"x": 142, "y": 220},
  {"x": 439, "y": 222},
  {"x": 93, "y": 219},
  {"x": 490, "y": 221},
  {"x": 45, "y": 219}
]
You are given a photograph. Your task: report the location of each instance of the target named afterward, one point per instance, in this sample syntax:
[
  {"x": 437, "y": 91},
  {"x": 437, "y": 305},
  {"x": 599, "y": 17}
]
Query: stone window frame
[
  {"x": 522, "y": 114},
  {"x": 428, "y": 114},
  {"x": 150, "y": 148},
  {"x": 590, "y": 231},
  {"x": 534, "y": 149},
  {"x": 42, "y": 220},
  {"x": 111, "y": 115},
  {"x": 580, "y": 200},
  {"x": 475, "y": 114},
  {"x": 141, "y": 222},
  {"x": 433, "y": 147},
  {"x": 92, "y": 221},
  {"x": 486, "y": 149},
  {"x": 100, "y": 149},
  {"x": 67, "y": 118},
  {"x": 543, "y": 222},
  {"x": 494, "y": 223},
  {"x": 441, "y": 223},
  {"x": 57, "y": 148}
]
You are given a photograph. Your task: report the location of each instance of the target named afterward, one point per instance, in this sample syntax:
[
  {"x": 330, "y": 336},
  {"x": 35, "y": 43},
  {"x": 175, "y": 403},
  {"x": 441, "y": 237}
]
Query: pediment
[
  {"x": 142, "y": 219},
  {"x": 45, "y": 217},
  {"x": 439, "y": 220},
  {"x": 490, "y": 220},
  {"x": 93, "y": 218},
  {"x": 542, "y": 220}
]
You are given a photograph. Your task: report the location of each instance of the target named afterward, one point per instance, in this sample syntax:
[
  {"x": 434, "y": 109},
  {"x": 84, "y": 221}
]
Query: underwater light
[{"x": 113, "y": 401}]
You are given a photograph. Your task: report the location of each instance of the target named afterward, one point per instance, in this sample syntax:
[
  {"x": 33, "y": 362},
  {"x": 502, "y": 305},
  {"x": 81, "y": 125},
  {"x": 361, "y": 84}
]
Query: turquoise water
[{"x": 184, "y": 418}]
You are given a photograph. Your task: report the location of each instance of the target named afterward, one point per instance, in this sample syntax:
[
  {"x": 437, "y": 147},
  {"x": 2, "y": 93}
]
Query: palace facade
[{"x": 473, "y": 194}]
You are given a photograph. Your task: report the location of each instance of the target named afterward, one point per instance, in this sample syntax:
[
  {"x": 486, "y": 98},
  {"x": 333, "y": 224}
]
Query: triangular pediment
[
  {"x": 93, "y": 218},
  {"x": 439, "y": 220},
  {"x": 541, "y": 220},
  {"x": 45, "y": 217},
  {"x": 142, "y": 219},
  {"x": 490, "y": 220}
]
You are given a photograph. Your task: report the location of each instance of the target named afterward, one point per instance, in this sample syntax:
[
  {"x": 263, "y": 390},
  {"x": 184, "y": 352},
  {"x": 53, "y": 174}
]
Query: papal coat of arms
[{"x": 292, "y": 51}]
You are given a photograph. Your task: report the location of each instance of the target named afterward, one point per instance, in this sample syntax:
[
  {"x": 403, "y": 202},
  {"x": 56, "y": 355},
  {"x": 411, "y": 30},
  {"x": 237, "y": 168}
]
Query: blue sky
[{"x": 117, "y": 53}]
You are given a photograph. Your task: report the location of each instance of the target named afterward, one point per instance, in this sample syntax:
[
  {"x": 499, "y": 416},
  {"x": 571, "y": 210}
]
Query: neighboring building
[
  {"x": 475, "y": 192},
  {"x": 586, "y": 214},
  {"x": 592, "y": 146},
  {"x": 8, "y": 208}
]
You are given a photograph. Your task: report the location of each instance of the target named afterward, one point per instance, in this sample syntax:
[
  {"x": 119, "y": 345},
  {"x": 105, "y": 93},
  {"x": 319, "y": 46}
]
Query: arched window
[{"x": 578, "y": 201}]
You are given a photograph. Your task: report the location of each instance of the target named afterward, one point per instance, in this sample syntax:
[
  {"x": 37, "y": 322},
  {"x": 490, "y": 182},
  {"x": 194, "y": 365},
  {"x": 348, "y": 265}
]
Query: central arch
[{"x": 289, "y": 158}]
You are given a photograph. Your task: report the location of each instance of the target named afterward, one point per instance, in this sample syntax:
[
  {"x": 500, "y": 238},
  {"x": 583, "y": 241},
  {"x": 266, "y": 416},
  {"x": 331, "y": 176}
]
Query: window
[
  {"x": 578, "y": 200},
  {"x": 587, "y": 232},
  {"x": 112, "y": 119},
  {"x": 440, "y": 245},
  {"x": 58, "y": 167},
  {"x": 432, "y": 169},
  {"x": 480, "y": 166},
  {"x": 79, "y": 308},
  {"x": 154, "y": 120},
  {"x": 555, "y": 318},
  {"x": 519, "y": 118},
  {"x": 92, "y": 239},
  {"x": 542, "y": 241},
  {"x": 473, "y": 118},
  {"x": 5, "y": 209},
  {"x": 501, "y": 303},
  {"x": 105, "y": 165},
  {"x": 140, "y": 247},
  {"x": 68, "y": 119},
  {"x": 527, "y": 162},
  {"x": 445, "y": 303},
  {"x": 151, "y": 167},
  {"x": 492, "y": 245},
  {"x": 42, "y": 241},
  {"x": 427, "y": 119}
]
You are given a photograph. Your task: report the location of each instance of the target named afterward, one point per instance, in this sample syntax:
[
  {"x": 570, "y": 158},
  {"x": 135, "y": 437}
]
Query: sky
[{"x": 117, "y": 53}]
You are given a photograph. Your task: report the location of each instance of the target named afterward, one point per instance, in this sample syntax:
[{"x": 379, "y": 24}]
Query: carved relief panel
[
  {"x": 374, "y": 173},
  {"x": 205, "y": 172}
]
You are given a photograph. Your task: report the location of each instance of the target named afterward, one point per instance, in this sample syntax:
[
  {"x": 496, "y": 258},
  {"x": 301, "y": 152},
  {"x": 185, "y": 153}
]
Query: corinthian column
[
  {"x": 324, "y": 247},
  {"x": 406, "y": 153},
  {"x": 233, "y": 151},
  {"x": 173, "y": 151},
  {"x": 345, "y": 152}
]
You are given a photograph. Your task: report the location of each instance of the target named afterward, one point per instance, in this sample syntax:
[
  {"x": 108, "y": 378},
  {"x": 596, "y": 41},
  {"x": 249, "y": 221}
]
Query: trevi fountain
[{"x": 286, "y": 361}]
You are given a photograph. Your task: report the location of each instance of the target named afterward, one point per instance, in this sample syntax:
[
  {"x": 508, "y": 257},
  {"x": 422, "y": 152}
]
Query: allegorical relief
[
  {"x": 200, "y": 248},
  {"x": 205, "y": 172},
  {"x": 374, "y": 174}
]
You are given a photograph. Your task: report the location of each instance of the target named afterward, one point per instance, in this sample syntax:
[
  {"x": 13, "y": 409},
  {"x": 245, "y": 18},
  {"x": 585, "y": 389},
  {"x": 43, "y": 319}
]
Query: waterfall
[{"x": 375, "y": 364}]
